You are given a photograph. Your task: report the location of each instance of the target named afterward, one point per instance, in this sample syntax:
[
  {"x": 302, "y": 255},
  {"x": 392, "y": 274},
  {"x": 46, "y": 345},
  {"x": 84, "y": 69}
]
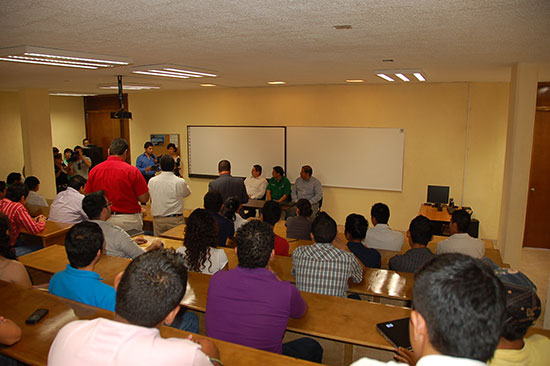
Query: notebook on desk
[{"x": 396, "y": 332}]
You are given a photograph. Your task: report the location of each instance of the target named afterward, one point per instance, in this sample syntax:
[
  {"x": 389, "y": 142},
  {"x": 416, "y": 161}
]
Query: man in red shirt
[
  {"x": 123, "y": 184},
  {"x": 13, "y": 207}
]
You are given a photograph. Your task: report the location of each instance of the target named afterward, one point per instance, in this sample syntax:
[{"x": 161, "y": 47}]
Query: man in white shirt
[
  {"x": 167, "y": 193},
  {"x": 381, "y": 236},
  {"x": 35, "y": 201},
  {"x": 117, "y": 241},
  {"x": 459, "y": 306},
  {"x": 148, "y": 295},
  {"x": 461, "y": 241},
  {"x": 67, "y": 205},
  {"x": 255, "y": 184}
]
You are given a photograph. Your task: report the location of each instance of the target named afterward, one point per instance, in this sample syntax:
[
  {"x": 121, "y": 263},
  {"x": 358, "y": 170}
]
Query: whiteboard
[
  {"x": 370, "y": 158},
  {"x": 243, "y": 146}
]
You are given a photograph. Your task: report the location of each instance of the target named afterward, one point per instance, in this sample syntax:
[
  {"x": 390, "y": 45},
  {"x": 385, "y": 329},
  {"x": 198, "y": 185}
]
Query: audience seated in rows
[
  {"x": 117, "y": 241},
  {"x": 418, "y": 235},
  {"x": 299, "y": 227},
  {"x": 67, "y": 205},
  {"x": 200, "y": 242},
  {"x": 460, "y": 241},
  {"x": 381, "y": 236},
  {"x": 213, "y": 203},
  {"x": 35, "y": 201},
  {"x": 322, "y": 268},
  {"x": 148, "y": 295},
  {"x": 231, "y": 209},
  {"x": 10, "y": 270},
  {"x": 13, "y": 206},
  {"x": 271, "y": 214},
  {"x": 457, "y": 316},
  {"x": 355, "y": 230},
  {"x": 249, "y": 305}
]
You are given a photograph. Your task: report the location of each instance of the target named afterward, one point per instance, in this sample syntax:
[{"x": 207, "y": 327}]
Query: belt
[
  {"x": 122, "y": 213},
  {"x": 174, "y": 215}
]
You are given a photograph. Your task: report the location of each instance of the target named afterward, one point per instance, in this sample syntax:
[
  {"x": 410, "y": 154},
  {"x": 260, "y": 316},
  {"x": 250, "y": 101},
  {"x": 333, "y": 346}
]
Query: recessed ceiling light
[
  {"x": 73, "y": 94},
  {"x": 419, "y": 76},
  {"x": 355, "y": 80},
  {"x": 385, "y": 77},
  {"x": 402, "y": 77},
  {"x": 171, "y": 71},
  {"x": 342, "y": 26},
  {"x": 63, "y": 58},
  {"x": 129, "y": 87},
  {"x": 387, "y": 60},
  {"x": 208, "y": 84},
  {"x": 276, "y": 82}
]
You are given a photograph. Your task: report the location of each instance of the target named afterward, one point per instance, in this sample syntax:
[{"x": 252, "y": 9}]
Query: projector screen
[{"x": 243, "y": 146}]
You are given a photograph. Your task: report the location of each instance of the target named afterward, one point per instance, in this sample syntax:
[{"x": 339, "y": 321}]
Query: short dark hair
[
  {"x": 151, "y": 287},
  {"x": 16, "y": 191},
  {"x": 258, "y": 168},
  {"x": 32, "y": 182},
  {"x": 82, "y": 243},
  {"x": 231, "y": 206},
  {"x": 380, "y": 212},
  {"x": 5, "y": 225},
  {"x": 462, "y": 220},
  {"x": 77, "y": 147},
  {"x": 118, "y": 146},
  {"x": 255, "y": 242},
  {"x": 324, "y": 228},
  {"x": 77, "y": 182},
  {"x": 271, "y": 212},
  {"x": 308, "y": 169},
  {"x": 421, "y": 230},
  {"x": 2, "y": 186},
  {"x": 55, "y": 150},
  {"x": 13, "y": 177},
  {"x": 213, "y": 201},
  {"x": 356, "y": 226},
  {"x": 171, "y": 145},
  {"x": 147, "y": 144},
  {"x": 463, "y": 304},
  {"x": 84, "y": 139},
  {"x": 305, "y": 207},
  {"x": 166, "y": 163},
  {"x": 279, "y": 170},
  {"x": 224, "y": 166},
  {"x": 93, "y": 204},
  {"x": 67, "y": 149}
]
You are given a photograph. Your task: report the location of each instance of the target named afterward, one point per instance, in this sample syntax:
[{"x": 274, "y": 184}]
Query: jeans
[
  {"x": 186, "y": 320},
  {"x": 305, "y": 349}
]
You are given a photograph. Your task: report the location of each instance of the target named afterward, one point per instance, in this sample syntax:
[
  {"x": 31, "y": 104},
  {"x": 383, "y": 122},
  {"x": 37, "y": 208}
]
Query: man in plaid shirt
[{"x": 322, "y": 268}]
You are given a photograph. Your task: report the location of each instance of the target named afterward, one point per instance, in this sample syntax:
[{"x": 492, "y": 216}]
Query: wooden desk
[
  {"x": 53, "y": 233},
  {"x": 17, "y": 303},
  {"x": 256, "y": 204},
  {"x": 168, "y": 243},
  {"x": 176, "y": 233}
]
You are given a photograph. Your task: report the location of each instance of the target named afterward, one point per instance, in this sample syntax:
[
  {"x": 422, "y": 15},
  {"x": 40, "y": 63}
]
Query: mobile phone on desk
[{"x": 36, "y": 316}]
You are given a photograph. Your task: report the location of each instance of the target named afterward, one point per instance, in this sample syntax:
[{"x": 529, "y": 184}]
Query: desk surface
[
  {"x": 433, "y": 214},
  {"x": 17, "y": 303},
  {"x": 176, "y": 233},
  {"x": 52, "y": 228}
]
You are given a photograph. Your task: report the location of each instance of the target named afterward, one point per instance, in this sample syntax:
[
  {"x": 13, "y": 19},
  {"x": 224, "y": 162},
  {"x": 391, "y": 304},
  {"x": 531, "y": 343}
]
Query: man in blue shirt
[
  {"x": 84, "y": 244},
  {"x": 147, "y": 163}
]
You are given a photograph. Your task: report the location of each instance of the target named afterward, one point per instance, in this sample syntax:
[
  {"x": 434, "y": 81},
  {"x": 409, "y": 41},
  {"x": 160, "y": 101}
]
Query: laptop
[{"x": 396, "y": 332}]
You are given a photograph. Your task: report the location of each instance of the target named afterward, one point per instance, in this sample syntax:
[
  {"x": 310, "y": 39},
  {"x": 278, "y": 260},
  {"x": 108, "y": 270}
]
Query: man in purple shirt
[{"x": 249, "y": 305}]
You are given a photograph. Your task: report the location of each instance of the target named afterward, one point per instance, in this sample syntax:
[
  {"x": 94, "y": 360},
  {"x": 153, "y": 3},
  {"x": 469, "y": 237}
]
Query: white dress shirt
[
  {"x": 430, "y": 360},
  {"x": 67, "y": 207},
  {"x": 462, "y": 243},
  {"x": 36, "y": 199},
  {"x": 255, "y": 187},
  {"x": 167, "y": 193},
  {"x": 382, "y": 237}
]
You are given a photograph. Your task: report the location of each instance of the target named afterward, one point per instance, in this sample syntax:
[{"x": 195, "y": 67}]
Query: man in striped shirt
[
  {"x": 13, "y": 207},
  {"x": 322, "y": 268}
]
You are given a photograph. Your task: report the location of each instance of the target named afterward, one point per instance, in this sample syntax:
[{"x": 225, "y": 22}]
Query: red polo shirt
[{"x": 122, "y": 184}]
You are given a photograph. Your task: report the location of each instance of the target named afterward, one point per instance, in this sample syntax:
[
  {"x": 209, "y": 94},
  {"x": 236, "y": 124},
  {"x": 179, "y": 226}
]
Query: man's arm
[
  {"x": 317, "y": 192},
  {"x": 87, "y": 161},
  {"x": 244, "y": 195},
  {"x": 294, "y": 192},
  {"x": 262, "y": 188},
  {"x": 186, "y": 191},
  {"x": 32, "y": 226},
  {"x": 143, "y": 198},
  {"x": 10, "y": 333},
  {"x": 356, "y": 270},
  {"x": 268, "y": 195},
  {"x": 141, "y": 164}
]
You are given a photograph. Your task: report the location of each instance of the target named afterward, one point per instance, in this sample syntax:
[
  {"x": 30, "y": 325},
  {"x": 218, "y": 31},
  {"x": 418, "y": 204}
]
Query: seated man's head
[
  {"x": 96, "y": 206},
  {"x": 151, "y": 288},
  {"x": 458, "y": 308},
  {"x": 306, "y": 172},
  {"x": 420, "y": 231},
  {"x": 167, "y": 163},
  {"x": 256, "y": 171},
  {"x": 278, "y": 172},
  {"x": 356, "y": 227},
  {"x": 271, "y": 212},
  {"x": 213, "y": 201},
  {"x": 13, "y": 178},
  {"x": 78, "y": 183},
  {"x": 379, "y": 213},
  {"x": 33, "y": 183},
  {"x": 460, "y": 220},
  {"x": 84, "y": 244},
  {"x": 324, "y": 228},
  {"x": 303, "y": 207},
  {"x": 224, "y": 166},
  {"x": 255, "y": 244},
  {"x": 17, "y": 192}
]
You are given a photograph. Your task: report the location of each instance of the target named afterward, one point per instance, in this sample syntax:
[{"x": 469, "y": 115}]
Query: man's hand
[
  {"x": 208, "y": 347},
  {"x": 148, "y": 169},
  {"x": 406, "y": 356},
  {"x": 156, "y": 244},
  {"x": 40, "y": 218}
]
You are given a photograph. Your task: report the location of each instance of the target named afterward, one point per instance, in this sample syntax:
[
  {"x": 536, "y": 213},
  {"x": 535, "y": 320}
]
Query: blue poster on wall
[{"x": 157, "y": 140}]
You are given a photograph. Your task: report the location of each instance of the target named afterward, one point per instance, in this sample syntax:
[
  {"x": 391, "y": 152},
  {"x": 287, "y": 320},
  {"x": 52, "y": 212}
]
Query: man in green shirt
[{"x": 278, "y": 187}]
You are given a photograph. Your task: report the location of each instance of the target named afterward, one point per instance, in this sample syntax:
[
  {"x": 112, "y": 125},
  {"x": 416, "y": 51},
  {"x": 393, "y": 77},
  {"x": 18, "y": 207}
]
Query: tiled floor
[{"x": 535, "y": 263}]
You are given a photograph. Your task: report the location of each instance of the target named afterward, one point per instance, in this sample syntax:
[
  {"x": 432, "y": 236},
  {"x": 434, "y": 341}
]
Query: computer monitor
[{"x": 438, "y": 194}]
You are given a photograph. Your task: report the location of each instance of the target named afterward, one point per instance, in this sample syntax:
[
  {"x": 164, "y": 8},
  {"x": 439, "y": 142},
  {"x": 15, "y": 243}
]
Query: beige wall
[
  {"x": 68, "y": 123},
  {"x": 10, "y": 135},
  {"x": 446, "y": 135}
]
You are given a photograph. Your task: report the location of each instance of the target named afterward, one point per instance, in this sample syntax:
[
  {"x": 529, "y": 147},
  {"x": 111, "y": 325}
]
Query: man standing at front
[
  {"x": 228, "y": 185},
  {"x": 307, "y": 187},
  {"x": 147, "y": 163},
  {"x": 123, "y": 184},
  {"x": 167, "y": 193}
]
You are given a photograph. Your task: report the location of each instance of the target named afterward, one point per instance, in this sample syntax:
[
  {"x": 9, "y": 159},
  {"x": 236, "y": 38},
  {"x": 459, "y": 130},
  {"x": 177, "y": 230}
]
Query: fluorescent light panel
[
  {"x": 62, "y": 58},
  {"x": 385, "y": 77},
  {"x": 72, "y": 94},
  {"x": 170, "y": 71},
  {"x": 130, "y": 87},
  {"x": 355, "y": 80},
  {"x": 419, "y": 76},
  {"x": 403, "y": 74},
  {"x": 276, "y": 82},
  {"x": 402, "y": 77},
  {"x": 208, "y": 85}
]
